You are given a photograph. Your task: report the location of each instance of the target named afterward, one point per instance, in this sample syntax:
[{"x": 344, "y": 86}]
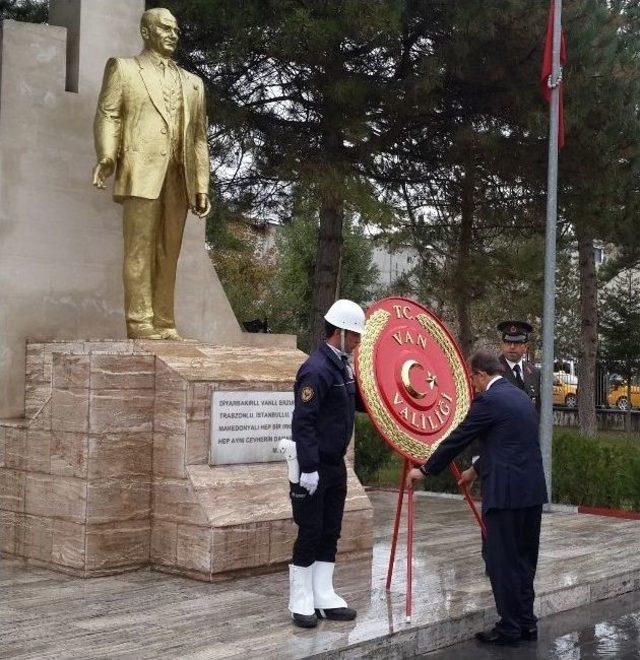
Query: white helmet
[{"x": 347, "y": 315}]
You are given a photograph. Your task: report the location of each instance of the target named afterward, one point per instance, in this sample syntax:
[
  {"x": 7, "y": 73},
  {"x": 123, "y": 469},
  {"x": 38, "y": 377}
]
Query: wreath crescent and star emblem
[
  {"x": 412, "y": 376},
  {"x": 307, "y": 393}
]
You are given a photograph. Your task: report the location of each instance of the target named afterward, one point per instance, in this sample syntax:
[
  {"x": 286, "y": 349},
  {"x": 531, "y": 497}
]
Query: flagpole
[{"x": 548, "y": 313}]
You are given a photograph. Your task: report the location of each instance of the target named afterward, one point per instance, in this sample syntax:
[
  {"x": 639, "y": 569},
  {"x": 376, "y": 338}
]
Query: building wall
[{"x": 392, "y": 263}]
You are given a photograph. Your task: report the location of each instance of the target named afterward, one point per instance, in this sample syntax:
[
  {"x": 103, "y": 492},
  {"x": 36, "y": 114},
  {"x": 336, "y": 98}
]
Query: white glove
[{"x": 309, "y": 481}]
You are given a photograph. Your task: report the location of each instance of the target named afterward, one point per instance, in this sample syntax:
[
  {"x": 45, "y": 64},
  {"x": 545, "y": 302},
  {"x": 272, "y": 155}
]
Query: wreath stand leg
[
  {"x": 396, "y": 524},
  {"x": 394, "y": 539},
  {"x": 408, "y": 602},
  {"x": 472, "y": 505}
]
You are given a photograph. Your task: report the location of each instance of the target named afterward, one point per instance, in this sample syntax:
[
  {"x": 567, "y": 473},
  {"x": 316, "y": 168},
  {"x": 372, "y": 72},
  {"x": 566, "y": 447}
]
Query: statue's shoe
[
  {"x": 169, "y": 333},
  {"x": 143, "y": 331}
]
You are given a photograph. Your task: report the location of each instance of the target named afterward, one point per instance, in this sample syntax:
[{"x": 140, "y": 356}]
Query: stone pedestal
[{"x": 109, "y": 470}]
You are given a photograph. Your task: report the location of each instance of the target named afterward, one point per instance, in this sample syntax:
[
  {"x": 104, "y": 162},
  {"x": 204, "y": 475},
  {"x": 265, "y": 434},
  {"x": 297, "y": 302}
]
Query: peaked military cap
[{"x": 516, "y": 332}]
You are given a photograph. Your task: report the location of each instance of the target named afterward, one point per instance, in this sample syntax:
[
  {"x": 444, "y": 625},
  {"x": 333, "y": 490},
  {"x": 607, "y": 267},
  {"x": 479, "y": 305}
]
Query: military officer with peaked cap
[{"x": 519, "y": 372}]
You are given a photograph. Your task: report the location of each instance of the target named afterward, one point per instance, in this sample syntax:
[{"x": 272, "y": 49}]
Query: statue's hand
[
  {"x": 102, "y": 171},
  {"x": 202, "y": 207}
]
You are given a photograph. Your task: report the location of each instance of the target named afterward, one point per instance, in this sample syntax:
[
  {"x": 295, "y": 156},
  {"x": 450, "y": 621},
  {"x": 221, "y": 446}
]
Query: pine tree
[
  {"x": 290, "y": 292},
  {"x": 470, "y": 183},
  {"x": 300, "y": 97},
  {"x": 32, "y": 11},
  {"x": 599, "y": 165}
]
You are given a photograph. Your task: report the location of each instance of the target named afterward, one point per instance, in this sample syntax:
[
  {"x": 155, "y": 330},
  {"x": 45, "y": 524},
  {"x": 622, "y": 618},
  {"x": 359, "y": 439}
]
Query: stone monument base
[{"x": 110, "y": 470}]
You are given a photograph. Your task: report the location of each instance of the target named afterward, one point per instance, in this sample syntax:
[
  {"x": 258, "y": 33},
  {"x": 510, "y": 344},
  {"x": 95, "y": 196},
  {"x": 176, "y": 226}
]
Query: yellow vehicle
[
  {"x": 618, "y": 397},
  {"x": 564, "y": 392}
]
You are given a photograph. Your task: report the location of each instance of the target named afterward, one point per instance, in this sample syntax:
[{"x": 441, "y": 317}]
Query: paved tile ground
[
  {"x": 607, "y": 629},
  {"x": 151, "y": 615}
]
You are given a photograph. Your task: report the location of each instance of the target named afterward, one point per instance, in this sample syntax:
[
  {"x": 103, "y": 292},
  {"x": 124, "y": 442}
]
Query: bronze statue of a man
[{"x": 150, "y": 127}]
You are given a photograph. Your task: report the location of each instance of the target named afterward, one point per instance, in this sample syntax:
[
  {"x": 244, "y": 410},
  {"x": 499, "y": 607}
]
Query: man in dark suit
[
  {"x": 514, "y": 346},
  {"x": 513, "y": 492},
  {"x": 518, "y": 371}
]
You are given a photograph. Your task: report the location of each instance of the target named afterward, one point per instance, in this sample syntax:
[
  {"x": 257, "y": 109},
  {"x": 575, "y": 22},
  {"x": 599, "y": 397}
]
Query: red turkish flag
[{"x": 547, "y": 65}]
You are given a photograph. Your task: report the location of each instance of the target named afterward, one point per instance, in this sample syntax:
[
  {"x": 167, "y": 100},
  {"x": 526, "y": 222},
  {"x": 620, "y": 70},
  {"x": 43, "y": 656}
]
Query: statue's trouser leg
[
  {"x": 141, "y": 219},
  {"x": 168, "y": 243}
]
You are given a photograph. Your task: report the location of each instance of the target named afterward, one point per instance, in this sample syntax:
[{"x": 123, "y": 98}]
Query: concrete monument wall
[{"x": 61, "y": 239}]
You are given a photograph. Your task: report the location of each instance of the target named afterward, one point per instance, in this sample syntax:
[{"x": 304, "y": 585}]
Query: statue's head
[{"x": 159, "y": 30}]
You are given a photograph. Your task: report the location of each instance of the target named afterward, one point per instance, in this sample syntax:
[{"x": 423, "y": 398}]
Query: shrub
[
  {"x": 595, "y": 471},
  {"x": 377, "y": 464},
  {"x": 373, "y": 454},
  {"x": 598, "y": 472}
]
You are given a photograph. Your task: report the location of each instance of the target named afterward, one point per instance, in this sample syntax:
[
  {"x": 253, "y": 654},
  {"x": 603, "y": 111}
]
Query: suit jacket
[
  {"x": 132, "y": 127},
  {"x": 506, "y": 424},
  {"x": 530, "y": 376}
]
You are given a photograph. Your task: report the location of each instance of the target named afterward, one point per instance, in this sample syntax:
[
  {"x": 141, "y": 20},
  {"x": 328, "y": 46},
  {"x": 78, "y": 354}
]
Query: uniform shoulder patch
[{"x": 307, "y": 393}]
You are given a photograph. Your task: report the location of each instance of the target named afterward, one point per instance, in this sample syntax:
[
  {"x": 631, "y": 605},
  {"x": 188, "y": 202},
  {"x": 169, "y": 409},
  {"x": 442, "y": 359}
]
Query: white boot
[
  {"x": 326, "y": 601},
  {"x": 301, "y": 596}
]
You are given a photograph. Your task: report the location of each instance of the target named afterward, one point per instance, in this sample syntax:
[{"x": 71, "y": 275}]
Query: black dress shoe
[
  {"x": 529, "y": 634},
  {"x": 305, "y": 620},
  {"x": 497, "y": 638},
  {"x": 337, "y": 613}
]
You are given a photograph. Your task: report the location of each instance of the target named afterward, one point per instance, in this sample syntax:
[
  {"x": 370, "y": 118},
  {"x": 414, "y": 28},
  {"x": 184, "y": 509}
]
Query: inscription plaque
[{"x": 247, "y": 426}]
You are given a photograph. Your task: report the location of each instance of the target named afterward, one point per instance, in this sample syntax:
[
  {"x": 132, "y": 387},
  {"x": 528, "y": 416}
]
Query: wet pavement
[
  {"x": 583, "y": 559},
  {"x": 607, "y": 629}
]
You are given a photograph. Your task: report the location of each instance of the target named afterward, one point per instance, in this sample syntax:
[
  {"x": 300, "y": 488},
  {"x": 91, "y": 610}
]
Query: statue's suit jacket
[{"x": 132, "y": 127}]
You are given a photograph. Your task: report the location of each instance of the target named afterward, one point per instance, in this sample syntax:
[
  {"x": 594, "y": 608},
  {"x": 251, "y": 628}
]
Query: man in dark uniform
[
  {"x": 322, "y": 425},
  {"x": 513, "y": 491},
  {"x": 519, "y": 372}
]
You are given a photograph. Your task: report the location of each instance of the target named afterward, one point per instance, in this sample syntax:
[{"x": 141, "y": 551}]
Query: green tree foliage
[
  {"x": 567, "y": 330},
  {"x": 434, "y": 109},
  {"x": 424, "y": 118},
  {"x": 599, "y": 165},
  {"x": 246, "y": 267},
  {"x": 470, "y": 184},
  {"x": 300, "y": 94},
  {"x": 32, "y": 11},
  {"x": 620, "y": 325},
  {"x": 290, "y": 295},
  {"x": 600, "y": 161},
  {"x": 471, "y": 195}
]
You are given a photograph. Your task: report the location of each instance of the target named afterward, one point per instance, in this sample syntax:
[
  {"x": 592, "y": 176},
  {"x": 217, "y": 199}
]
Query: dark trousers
[
  {"x": 513, "y": 538},
  {"x": 319, "y": 516}
]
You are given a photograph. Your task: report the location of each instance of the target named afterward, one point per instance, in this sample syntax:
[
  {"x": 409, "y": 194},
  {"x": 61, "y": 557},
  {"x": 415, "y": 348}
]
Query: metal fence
[{"x": 605, "y": 383}]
